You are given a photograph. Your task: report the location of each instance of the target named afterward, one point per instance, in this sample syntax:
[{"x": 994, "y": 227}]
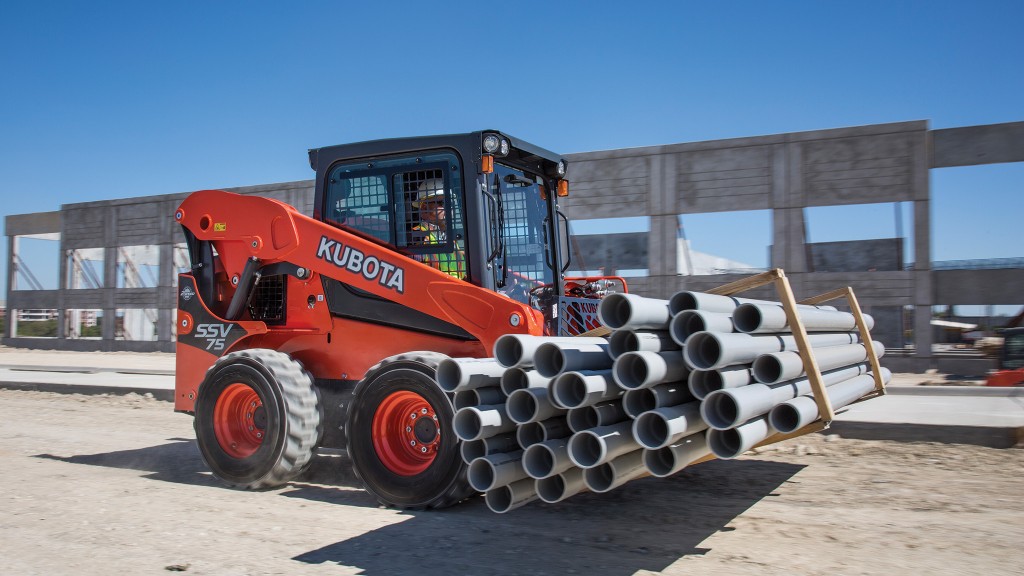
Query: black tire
[
  {"x": 443, "y": 482},
  {"x": 284, "y": 402}
]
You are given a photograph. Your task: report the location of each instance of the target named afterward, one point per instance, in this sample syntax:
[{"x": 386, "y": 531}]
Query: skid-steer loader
[{"x": 296, "y": 333}]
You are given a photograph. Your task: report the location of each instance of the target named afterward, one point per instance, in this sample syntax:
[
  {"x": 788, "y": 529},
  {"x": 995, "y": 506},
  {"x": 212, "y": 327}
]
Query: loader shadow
[
  {"x": 645, "y": 525},
  {"x": 328, "y": 479}
]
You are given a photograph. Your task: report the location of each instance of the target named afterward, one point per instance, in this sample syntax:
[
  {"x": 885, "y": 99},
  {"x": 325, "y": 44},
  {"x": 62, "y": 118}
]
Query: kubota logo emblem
[{"x": 370, "y": 267}]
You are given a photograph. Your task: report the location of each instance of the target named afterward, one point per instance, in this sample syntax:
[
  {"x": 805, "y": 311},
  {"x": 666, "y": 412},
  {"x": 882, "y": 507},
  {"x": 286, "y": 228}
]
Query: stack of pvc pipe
[{"x": 549, "y": 417}]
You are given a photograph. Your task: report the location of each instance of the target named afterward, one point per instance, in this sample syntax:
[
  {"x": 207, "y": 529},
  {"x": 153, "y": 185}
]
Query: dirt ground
[{"x": 107, "y": 485}]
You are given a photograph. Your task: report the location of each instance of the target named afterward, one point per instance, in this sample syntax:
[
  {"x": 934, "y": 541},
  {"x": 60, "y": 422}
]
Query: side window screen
[
  {"x": 424, "y": 204},
  {"x": 360, "y": 202}
]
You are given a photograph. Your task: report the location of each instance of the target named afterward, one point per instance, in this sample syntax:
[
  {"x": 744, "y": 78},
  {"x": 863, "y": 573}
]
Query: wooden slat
[
  {"x": 746, "y": 283},
  {"x": 865, "y": 335},
  {"x": 796, "y": 326}
]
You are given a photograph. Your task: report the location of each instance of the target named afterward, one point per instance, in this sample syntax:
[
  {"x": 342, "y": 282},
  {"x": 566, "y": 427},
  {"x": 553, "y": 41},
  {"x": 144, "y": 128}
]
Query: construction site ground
[{"x": 109, "y": 482}]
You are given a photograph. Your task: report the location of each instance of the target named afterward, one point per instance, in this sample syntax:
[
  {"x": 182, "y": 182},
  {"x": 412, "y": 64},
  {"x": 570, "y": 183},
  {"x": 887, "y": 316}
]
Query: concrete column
[
  {"x": 923, "y": 292},
  {"x": 109, "y": 277},
  {"x": 662, "y": 245},
  {"x": 12, "y": 282}
]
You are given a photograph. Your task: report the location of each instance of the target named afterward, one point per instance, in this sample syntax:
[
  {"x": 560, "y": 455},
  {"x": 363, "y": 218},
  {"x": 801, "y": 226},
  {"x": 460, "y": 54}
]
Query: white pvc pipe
[
  {"x": 517, "y": 378},
  {"x": 794, "y": 414},
  {"x": 635, "y": 370},
  {"x": 593, "y": 447},
  {"x": 636, "y": 402},
  {"x": 473, "y": 449},
  {"x": 703, "y": 382},
  {"x": 618, "y": 311},
  {"x": 531, "y": 405},
  {"x": 664, "y": 426},
  {"x": 583, "y": 388},
  {"x": 622, "y": 341},
  {"x": 668, "y": 460},
  {"x": 458, "y": 374},
  {"x": 689, "y": 300},
  {"x": 547, "y": 458},
  {"x": 712, "y": 350},
  {"x": 731, "y": 443},
  {"x": 689, "y": 322},
  {"x": 764, "y": 318},
  {"x": 476, "y": 422},
  {"x": 512, "y": 496},
  {"x": 489, "y": 472},
  {"x": 561, "y": 486},
  {"x": 780, "y": 366},
  {"x": 724, "y": 409},
  {"x": 604, "y": 414},
  {"x": 529, "y": 434},
  {"x": 517, "y": 350},
  {"x": 554, "y": 358},
  {"x": 616, "y": 472}
]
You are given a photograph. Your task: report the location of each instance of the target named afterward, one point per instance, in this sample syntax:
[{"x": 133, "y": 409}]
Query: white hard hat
[{"x": 429, "y": 190}]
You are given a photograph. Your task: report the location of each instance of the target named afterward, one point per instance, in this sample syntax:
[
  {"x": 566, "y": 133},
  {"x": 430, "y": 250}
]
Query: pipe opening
[
  {"x": 467, "y": 424},
  {"x": 651, "y": 430},
  {"x": 630, "y": 370},
  {"x": 580, "y": 419},
  {"x": 499, "y": 500},
  {"x": 767, "y": 368},
  {"x": 660, "y": 462},
  {"x": 682, "y": 301},
  {"x": 724, "y": 443},
  {"x": 449, "y": 374},
  {"x": 636, "y": 402},
  {"x": 586, "y": 449},
  {"x": 508, "y": 351},
  {"x": 530, "y": 434},
  {"x": 465, "y": 399},
  {"x": 720, "y": 410},
  {"x": 538, "y": 461},
  {"x": 747, "y": 318},
  {"x": 569, "y": 390},
  {"x": 521, "y": 406},
  {"x": 703, "y": 350},
  {"x": 514, "y": 379},
  {"x": 622, "y": 341},
  {"x": 601, "y": 478},
  {"x": 784, "y": 418},
  {"x": 473, "y": 449},
  {"x": 548, "y": 360},
  {"x": 551, "y": 489},
  {"x": 614, "y": 311},
  {"x": 481, "y": 475}
]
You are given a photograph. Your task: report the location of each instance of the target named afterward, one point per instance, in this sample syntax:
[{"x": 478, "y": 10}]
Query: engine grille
[{"x": 267, "y": 302}]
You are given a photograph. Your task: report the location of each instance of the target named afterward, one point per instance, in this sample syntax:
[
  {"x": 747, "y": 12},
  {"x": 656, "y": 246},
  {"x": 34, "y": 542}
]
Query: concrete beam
[
  {"x": 976, "y": 145},
  {"x": 28, "y": 224},
  {"x": 981, "y": 287}
]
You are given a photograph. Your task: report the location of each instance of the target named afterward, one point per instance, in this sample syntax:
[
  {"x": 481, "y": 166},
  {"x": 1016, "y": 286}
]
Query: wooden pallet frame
[{"x": 789, "y": 303}]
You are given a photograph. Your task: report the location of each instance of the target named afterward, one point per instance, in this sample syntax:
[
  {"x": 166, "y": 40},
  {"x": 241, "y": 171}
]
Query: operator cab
[{"x": 481, "y": 207}]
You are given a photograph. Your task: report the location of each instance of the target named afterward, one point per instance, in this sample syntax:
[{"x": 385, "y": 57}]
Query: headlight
[
  {"x": 492, "y": 143},
  {"x": 505, "y": 147},
  {"x": 560, "y": 168}
]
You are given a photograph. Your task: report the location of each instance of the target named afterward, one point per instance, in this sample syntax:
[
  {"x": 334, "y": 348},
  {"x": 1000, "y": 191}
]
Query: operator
[{"x": 433, "y": 229}]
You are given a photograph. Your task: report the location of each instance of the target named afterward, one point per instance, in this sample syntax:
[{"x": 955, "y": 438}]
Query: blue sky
[{"x": 118, "y": 99}]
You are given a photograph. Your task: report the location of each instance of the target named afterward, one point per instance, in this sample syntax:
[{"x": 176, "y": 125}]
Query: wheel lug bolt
[
  {"x": 412, "y": 416},
  {"x": 259, "y": 434},
  {"x": 412, "y": 442},
  {"x": 250, "y": 428},
  {"x": 253, "y": 404},
  {"x": 423, "y": 449},
  {"x": 423, "y": 410},
  {"x": 408, "y": 428}
]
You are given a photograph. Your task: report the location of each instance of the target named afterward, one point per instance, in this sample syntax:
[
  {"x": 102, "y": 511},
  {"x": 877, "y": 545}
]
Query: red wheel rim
[
  {"x": 405, "y": 433},
  {"x": 239, "y": 420}
]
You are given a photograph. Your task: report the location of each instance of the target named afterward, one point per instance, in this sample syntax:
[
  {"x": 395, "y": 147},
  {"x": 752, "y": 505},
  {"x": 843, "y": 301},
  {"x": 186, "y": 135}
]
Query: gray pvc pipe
[
  {"x": 531, "y": 405},
  {"x": 458, "y": 374},
  {"x": 512, "y": 496},
  {"x": 616, "y": 472},
  {"x": 589, "y": 448},
  {"x": 636, "y": 402},
  {"x": 518, "y": 378},
  {"x": 583, "y": 388},
  {"x": 724, "y": 409},
  {"x": 547, "y": 458},
  {"x": 517, "y": 350},
  {"x": 731, "y": 443},
  {"x": 668, "y": 460},
  {"x": 622, "y": 341},
  {"x": 780, "y": 366},
  {"x": 473, "y": 449},
  {"x": 689, "y": 322},
  {"x": 689, "y": 300},
  {"x": 476, "y": 422},
  {"x": 529, "y": 434},
  {"x": 604, "y": 414},
  {"x": 560, "y": 486},
  {"x": 712, "y": 350},
  {"x": 703, "y": 382},
  {"x": 635, "y": 370},
  {"x": 554, "y": 358},
  {"x": 664, "y": 426},
  {"x": 763, "y": 318},
  {"x": 618, "y": 311},
  {"x": 478, "y": 397},
  {"x": 794, "y": 414},
  {"x": 491, "y": 471}
]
